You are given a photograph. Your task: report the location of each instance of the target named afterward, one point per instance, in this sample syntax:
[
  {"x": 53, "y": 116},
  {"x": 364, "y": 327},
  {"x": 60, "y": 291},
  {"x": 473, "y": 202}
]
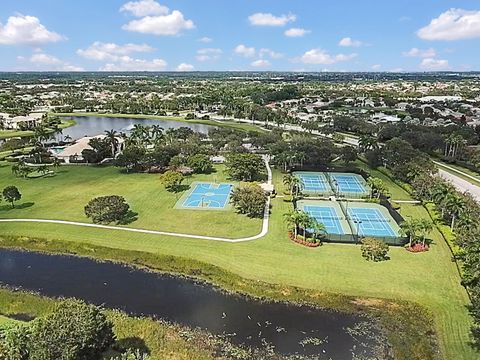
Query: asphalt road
[{"x": 461, "y": 184}]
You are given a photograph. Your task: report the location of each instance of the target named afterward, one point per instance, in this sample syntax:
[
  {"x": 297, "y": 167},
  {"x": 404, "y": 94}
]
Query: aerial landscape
[{"x": 239, "y": 180}]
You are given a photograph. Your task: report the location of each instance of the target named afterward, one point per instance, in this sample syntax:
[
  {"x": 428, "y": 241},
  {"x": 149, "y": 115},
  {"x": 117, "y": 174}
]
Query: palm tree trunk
[{"x": 453, "y": 222}]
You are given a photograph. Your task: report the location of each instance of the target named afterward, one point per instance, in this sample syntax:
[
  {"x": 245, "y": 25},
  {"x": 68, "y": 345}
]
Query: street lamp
[{"x": 357, "y": 222}]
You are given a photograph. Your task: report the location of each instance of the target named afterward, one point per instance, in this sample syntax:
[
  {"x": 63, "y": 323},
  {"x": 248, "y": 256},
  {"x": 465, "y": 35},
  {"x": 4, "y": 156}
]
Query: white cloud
[
  {"x": 267, "y": 52},
  {"x": 26, "y": 30},
  {"x": 46, "y": 62},
  {"x": 376, "y": 67},
  {"x": 205, "y": 40},
  {"x": 319, "y": 56},
  {"x": 185, "y": 67},
  {"x": 41, "y": 58},
  {"x": 166, "y": 25},
  {"x": 453, "y": 24},
  {"x": 296, "y": 32},
  {"x": 267, "y": 19},
  {"x": 127, "y": 63},
  {"x": 244, "y": 50},
  {"x": 434, "y": 64},
  {"x": 208, "y": 54},
  {"x": 260, "y": 63},
  {"x": 144, "y": 8},
  {"x": 70, "y": 67},
  {"x": 110, "y": 51},
  {"x": 424, "y": 53},
  {"x": 349, "y": 42}
]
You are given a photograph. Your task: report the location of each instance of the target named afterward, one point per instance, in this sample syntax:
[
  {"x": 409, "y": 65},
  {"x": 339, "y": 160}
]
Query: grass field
[
  {"x": 430, "y": 279},
  {"x": 64, "y": 196}
]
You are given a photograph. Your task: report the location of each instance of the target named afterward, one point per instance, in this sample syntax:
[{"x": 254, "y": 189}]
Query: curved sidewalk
[{"x": 262, "y": 233}]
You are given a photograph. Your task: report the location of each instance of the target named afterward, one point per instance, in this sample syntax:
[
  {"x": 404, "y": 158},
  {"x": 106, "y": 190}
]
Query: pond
[
  {"x": 288, "y": 328},
  {"x": 96, "y": 125}
]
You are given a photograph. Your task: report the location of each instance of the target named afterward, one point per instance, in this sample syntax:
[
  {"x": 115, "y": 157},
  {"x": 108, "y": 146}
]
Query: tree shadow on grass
[
  {"x": 129, "y": 218},
  {"x": 24, "y": 205},
  {"x": 131, "y": 343},
  {"x": 181, "y": 188}
]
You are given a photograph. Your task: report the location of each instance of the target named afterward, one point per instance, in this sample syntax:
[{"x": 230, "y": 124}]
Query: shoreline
[{"x": 413, "y": 319}]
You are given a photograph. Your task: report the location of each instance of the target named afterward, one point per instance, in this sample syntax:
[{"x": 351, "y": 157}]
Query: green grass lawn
[
  {"x": 430, "y": 279},
  {"x": 64, "y": 195}
]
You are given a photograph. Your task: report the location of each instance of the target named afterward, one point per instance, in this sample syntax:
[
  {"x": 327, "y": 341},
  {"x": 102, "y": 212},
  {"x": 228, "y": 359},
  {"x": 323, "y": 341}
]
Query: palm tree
[
  {"x": 455, "y": 206},
  {"x": 367, "y": 142},
  {"x": 112, "y": 140},
  {"x": 317, "y": 228},
  {"x": 440, "y": 192},
  {"x": 157, "y": 132},
  {"x": 410, "y": 228},
  {"x": 293, "y": 219},
  {"x": 425, "y": 227},
  {"x": 293, "y": 183}
]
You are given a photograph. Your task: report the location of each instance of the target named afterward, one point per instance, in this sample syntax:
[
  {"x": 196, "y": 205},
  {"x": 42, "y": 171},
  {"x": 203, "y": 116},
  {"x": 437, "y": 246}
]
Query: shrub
[
  {"x": 74, "y": 330},
  {"x": 172, "y": 180},
  {"x": 374, "y": 249},
  {"x": 249, "y": 200},
  {"x": 106, "y": 209}
]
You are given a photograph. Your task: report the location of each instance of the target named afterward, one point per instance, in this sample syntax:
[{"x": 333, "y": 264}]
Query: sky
[{"x": 249, "y": 35}]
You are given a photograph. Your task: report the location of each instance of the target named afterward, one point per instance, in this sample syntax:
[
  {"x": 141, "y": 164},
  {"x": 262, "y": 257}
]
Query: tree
[
  {"x": 171, "y": 180},
  {"x": 425, "y": 227},
  {"x": 131, "y": 158},
  {"x": 73, "y": 330},
  {"x": 293, "y": 183},
  {"x": 455, "y": 206},
  {"x": 348, "y": 154},
  {"x": 111, "y": 137},
  {"x": 244, "y": 167},
  {"x": 293, "y": 219},
  {"x": 107, "y": 209},
  {"x": 200, "y": 164},
  {"x": 410, "y": 228},
  {"x": 374, "y": 249},
  {"x": 11, "y": 194},
  {"x": 378, "y": 187},
  {"x": 249, "y": 199}
]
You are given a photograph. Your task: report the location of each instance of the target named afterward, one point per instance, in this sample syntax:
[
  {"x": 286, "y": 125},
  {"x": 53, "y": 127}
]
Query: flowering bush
[
  {"x": 417, "y": 248},
  {"x": 300, "y": 240}
]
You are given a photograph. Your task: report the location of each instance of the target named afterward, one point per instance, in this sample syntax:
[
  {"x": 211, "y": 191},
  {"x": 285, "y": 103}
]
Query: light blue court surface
[
  {"x": 313, "y": 182},
  {"x": 370, "y": 222},
  {"x": 208, "y": 196},
  {"x": 348, "y": 183},
  {"x": 328, "y": 216}
]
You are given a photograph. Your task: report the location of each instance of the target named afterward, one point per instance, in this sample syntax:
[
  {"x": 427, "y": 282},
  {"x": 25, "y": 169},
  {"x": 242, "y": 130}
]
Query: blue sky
[{"x": 302, "y": 35}]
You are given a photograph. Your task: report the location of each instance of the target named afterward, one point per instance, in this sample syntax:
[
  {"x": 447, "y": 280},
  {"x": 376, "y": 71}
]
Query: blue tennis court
[
  {"x": 328, "y": 216},
  {"x": 370, "y": 222},
  {"x": 313, "y": 182},
  {"x": 208, "y": 196},
  {"x": 348, "y": 183}
]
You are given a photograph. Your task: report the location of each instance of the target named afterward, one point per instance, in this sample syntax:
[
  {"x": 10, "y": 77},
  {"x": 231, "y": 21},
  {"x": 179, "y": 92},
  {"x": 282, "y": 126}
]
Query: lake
[
  {"x": 96, "y": 125},
  {"x": 290, "y": 329}
]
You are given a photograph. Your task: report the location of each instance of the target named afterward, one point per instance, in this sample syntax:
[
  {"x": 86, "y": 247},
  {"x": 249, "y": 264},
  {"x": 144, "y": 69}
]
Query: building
[
  {"x": 74, "y": 151},
  {"x": 20, "y": 122}
]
